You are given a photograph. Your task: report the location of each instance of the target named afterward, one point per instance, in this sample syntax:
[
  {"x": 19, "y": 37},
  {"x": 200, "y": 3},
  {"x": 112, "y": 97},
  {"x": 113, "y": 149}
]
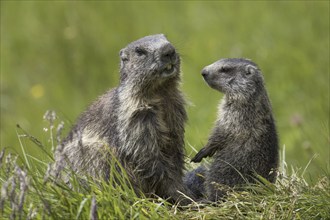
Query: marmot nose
[
  {"x": 167, "y": 53},
  {"x": 204, "y": 73}
]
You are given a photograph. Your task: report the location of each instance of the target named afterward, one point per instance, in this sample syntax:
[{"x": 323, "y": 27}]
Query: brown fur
[{"x": 141, "y": 121}]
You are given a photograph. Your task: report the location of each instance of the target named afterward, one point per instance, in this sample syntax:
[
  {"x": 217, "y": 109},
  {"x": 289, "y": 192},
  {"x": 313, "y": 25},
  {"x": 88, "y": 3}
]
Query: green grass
[{"x": 33, "y": 189}]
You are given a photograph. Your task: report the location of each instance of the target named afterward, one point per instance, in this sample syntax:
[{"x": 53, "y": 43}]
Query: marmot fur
[
  {"x": 244, "y": 140},
  {"x": 141, "y": 121}
]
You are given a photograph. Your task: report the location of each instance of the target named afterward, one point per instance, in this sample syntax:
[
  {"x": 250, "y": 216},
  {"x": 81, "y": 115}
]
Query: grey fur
[
  {"x": 194, "y": 181},
  {"x": 141, "y": 121},
  {"x": 244, "y": 140}
]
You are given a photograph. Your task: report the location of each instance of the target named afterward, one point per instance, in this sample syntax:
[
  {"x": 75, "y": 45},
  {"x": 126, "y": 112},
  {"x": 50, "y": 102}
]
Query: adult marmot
[
  {"x": 244, "y": 140},
  {"x": 141, "y": 121}
]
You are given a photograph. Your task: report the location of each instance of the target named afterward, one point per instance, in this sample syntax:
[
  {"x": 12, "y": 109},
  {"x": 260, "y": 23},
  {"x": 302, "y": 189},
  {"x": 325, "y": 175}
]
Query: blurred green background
[{"x": 61, "y": 55}]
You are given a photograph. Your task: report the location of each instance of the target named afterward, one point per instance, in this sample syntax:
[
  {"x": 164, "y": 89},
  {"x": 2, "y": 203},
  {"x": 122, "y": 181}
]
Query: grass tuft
[{"x": 29, "y": 190}]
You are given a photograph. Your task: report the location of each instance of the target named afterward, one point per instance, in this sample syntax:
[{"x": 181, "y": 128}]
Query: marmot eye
[
  {"x": 224, "y": 69},
  {"x": 140, "y": 51}
]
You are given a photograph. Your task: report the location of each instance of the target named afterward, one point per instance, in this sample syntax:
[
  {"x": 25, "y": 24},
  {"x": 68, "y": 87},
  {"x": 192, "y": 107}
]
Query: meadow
[{"x": 61, "y": 55}]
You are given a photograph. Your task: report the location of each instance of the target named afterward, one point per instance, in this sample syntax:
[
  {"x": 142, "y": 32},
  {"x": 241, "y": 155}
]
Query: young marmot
[
  {"x": 244, "y": 140},
  {"x": 141, "y": 121}
]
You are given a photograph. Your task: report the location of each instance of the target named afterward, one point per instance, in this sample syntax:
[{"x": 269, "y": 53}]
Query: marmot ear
[
  {"x": 250, "y": 70},
  {"x": 123, "y": 55}
]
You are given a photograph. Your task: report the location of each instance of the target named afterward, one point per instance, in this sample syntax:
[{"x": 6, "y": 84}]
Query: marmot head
[
  {"x": 149, "y": 61},
  {"x": 235, "y": 77}
]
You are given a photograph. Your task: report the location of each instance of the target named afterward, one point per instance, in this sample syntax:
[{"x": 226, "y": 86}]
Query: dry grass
[{"x": 30, "y": 190}]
